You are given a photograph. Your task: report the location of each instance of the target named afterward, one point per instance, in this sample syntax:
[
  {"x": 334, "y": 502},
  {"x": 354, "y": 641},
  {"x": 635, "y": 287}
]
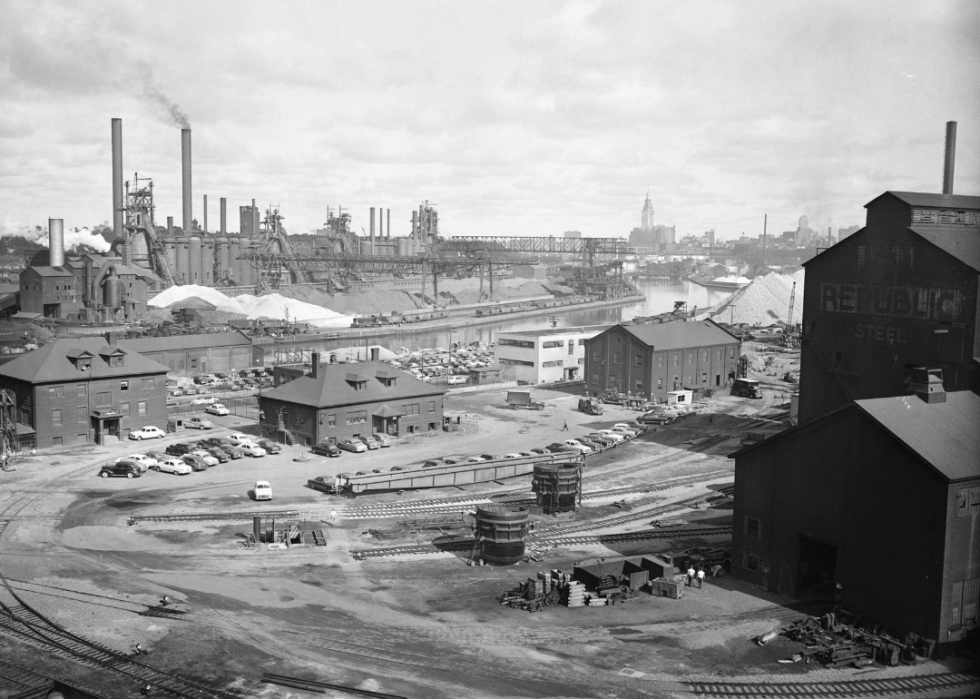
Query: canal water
[{"x": 660, "y": 297}]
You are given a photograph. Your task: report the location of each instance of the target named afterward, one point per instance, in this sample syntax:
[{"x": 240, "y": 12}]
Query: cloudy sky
[{"x": 514, "y": 118}]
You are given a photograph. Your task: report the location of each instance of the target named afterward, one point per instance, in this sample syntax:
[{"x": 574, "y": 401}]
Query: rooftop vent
[{"x": 927, "y": 384}]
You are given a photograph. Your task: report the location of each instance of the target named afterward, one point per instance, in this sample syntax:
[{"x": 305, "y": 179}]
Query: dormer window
[
  {"x": 84, "y": 364},
  {"x": 357, "y": 382},
  {"x": 82, "y": 359},
  {"x": 113, "y": 356},
  {"x": 116, "y": 361},
  {"x": 387, "y": 379}
]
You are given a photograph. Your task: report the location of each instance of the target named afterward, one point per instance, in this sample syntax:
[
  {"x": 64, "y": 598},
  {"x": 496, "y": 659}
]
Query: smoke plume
[
  {"x": 169, "y": 110},
  {"x": 73, "y": 237}
]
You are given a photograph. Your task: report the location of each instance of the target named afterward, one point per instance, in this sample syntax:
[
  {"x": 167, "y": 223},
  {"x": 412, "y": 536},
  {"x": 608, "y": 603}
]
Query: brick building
[
  {"x": 83, "y": 390},
  {"x": 877, "y": 503},
  {"x": 657, "y": 358},
  {"x": 329, "y": 402},
  {"x": 200, "y": 354}
]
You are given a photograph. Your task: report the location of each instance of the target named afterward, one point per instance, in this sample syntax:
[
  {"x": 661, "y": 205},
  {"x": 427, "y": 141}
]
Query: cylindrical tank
[
  {"x": 557, "y": 486},
  {"x": 235, "y": 265},
  {"x": 112, "y": 290},
  {"x": 501, "y": 531},
  {"x": 140, "y": 250},
  {"x": 194, "y": 260},
  {"x": 183, "y": 261},
  {"x": 367, "y": 247},
  {"x": 170, "y": 250},
  {"x": 207, "y": 261},
  {"x": 221, "y": 256},
  {"x": 247, "y": 266},
  {"x": 405, "y": 247}
]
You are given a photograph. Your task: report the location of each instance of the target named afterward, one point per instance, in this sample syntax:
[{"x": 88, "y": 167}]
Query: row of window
[
  {"x": 507, "y": 342},
  {"x": 514, "y": 362},
  {"x": 81, "y": 390},
  {"x": 968, "y": 502},
  {"x": 82, "y": 414},
  {"x": 617, "y": 357},
  {"x": 358, "y": 417},
  {"x": 613, "y": 380}
]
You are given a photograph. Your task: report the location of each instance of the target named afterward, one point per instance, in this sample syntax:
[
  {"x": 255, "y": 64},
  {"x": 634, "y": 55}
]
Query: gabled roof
[
  {"x": 51, "y": 271},
  {"x": 186, "y": 342},
  {"x": 678, "y": 335},
  {"x": 331, "y": 387},
  {"x": 961, "y": 242},
  {"x": 53, "y": 362},
  {"x": 945, "y": 201}
]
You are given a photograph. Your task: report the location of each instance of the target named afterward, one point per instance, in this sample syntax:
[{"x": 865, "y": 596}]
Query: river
[{"x": 660, "y": 297}]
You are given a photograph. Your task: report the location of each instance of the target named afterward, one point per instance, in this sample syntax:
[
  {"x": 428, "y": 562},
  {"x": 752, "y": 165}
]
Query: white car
[
  {"x": 217, "y": 409},
  {"x": 175, "y": 466},
  {"x": 208, "y": 458},
  {"x": 577, "y": 446},
  {"x": 612, "y": 435},
  {"x": 513, "y": 455},
  {"x": 625, "y": 431},
  {"x": 142, "y": 460},
  {"x": 148, "y": 432},
  {"x": 252, "y": 449},
  {"x": 263, "y": 490},
  {"x": 454, "y": 379}
]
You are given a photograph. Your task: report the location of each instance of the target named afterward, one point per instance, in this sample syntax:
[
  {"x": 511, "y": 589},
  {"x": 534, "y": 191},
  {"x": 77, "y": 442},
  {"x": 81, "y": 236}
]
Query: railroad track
[
  {"x": 878, "y": 687},
  {"x": 17, "y": 677},
  {"x": 219, "y": 516}
]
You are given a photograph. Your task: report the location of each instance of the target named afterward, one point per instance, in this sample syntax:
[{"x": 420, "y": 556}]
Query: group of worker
[{"x": 693, "y": 575}]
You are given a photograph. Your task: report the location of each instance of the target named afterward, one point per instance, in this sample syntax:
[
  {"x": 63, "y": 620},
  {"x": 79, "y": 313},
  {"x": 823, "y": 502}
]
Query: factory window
[
  {"x": 704, "y": 356},
  {"x": 556, "y": 362},
  {"x": 861, "y": 256},
  {"x": 124, "y": 408},
  {"x": 149, "y": 384},
  {"x": 358, "y": 416},
  {"x": 56, "y": 417},
  {"x": 26, "y": 417},
  {"x": 82, "y": 390},
  {"x": 595, "y": 379},
  {"x": 717, "y": 355},
  {"x": 84, "y": 364},
  {"x": 56, "y": 392},
  {"x": 411, "y": 409},
  {"x": 639, "y": 360},
  {"x": 581, "y": 360},
  {"x": 595, "y": 355},
  {"x": 432, "y": 406},
  {"x": 581, "y": 342},
  {"x": 571, "y": 346},
  {"x": 660, "y": 383},
  {"x": 677, "y": 358},
  {"x": 515, "y": 362},
  {"x": 639, "y": 384},
  {"x": 963, "y": 603},
  {"x": 731, "y": 353},
  {"x": 690, "y": 357},
  {"x": 753, "y": 528},
  {"x": 507, "y": 342},
  {"x": 124, "y": 385},
  {"x": 553, "y": 343},
  {"x": 116, "y": 361},
  {"x": 432, "y": 427},
  {"x": 751, "y": 561},
  {"x": 911, "y": 256},
  {"x": 103, "y": 399},
  {"x": 612, "y": 381},
  {"x": 141, "y": 407},
  {"x": 617, "y": 357},
  {"x": 332, "y": 420},
  {"x": 968, "y": 502},
  {"x": 897, "y": 254},
  {"x": 660, "y": 362},
  {"x": 704, "y": 377},
  {"x": 81, "y": 414}
]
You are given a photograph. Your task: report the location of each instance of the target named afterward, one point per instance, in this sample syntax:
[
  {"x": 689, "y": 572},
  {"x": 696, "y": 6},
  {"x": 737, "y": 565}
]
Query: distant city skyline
[{"x": 559, "y": 121}]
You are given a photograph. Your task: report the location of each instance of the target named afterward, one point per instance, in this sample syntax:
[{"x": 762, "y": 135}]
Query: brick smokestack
[
  {"x": 185, "y": 168},
  {"x": 56, "y": 242},
  {"x": 950, "y": 157},
  {"x": 315, "y": 361},
  {"x": 118, "y": 195}
]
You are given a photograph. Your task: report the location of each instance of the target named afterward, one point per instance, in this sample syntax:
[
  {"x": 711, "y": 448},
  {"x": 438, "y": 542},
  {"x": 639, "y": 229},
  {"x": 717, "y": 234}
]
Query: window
[
  {"x": 116, "y": 361},
  {"x": 690, "y": 357},
  {"x": 56, "y": 392},
  {"x": 26, "y": 417},
  {"x": 357, "y": 417},
  {"x": 704, "y": 356},
  {"x": 731, "y": 353},
  {"x": 595, "y": 355},
  {"x": 84, "y": 364},
  {"x": 717, "y": 355},
  {"x": 507, "y": 342},
  {"x": 515, "y": 362},
  {"x": 677, "y": 359},
  {"x": 581, "y": 342},
  {"x": 751, "y": 561},
  {"x": 553, "y": 343},
  {"x": 149, "y": 384},
  {"x": 898, "y": 254},
  {"x": 639, "y": 385},
  {"x": 124, "y": 385},
  {"x": 56, "y": 417},
  {"x": 963, "y": 603},
  {"x": 571, "y": 346},
  {"x": 103, "y": 399},
  {"x": 411, "y": 409},
  {"x": 82, "y": 390},
  {"x": 861, "y": 256},
  {"x": 431, "y": 427},
  {"x": 595, "y": 379},
  {"x": 141, "y": 407},
  {"x": 968, "y": 502},
  {"x": 639, "y": 360},
  {"x": 57, "y": 441},
  {"x": 81, "y": 414},
  {"x": 660, "y": 361},
  {"x": 124, "y": 408},
  {"x": 332, "y": 420},
  {"x": 555, "y": 362},
  {"x": 617, "y": 357},
  {"x": 911, "y": 257},
  {"x": 753, "y": 528},
  {"x": 432, "y": 406}
]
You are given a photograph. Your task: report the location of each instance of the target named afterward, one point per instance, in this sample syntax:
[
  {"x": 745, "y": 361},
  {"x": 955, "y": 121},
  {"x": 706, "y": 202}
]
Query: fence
[{"x": 245, "y": 406}]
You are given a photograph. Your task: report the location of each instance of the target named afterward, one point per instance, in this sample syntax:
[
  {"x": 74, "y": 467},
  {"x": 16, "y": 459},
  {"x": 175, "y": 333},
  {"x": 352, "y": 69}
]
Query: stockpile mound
[
  {"x": 765, "y": 301},
  {"x": 468, "y": 290},
  {"x": 278, "y": 307},
  {"x": 182, "y": 295}
]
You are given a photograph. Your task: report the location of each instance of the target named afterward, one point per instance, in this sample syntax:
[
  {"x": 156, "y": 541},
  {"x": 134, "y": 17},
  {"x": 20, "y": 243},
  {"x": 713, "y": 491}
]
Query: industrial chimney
[
  {"x": 118, "y": 196},
  {"x": 950, "y": 157},
  {"x": 372, "y": 225},
  {"x": 56, "y": 241},
  {"x": 224, "y": 215},
  {"x": 205, "y": 221},
  {"x": 185, "y": 161}
]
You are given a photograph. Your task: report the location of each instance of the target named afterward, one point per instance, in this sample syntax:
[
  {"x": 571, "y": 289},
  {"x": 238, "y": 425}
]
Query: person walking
[
  {"x": 690, "y": 576},
  {"x": 564, "y": 428},
  {"x": 700, "y": 577},
  {"x": 333, "y": 517}
]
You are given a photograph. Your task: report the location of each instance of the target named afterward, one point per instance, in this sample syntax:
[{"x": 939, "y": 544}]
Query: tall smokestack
[
  {"x": 372, "y": 225},
  {"x": 56, "y": 241},
  {"x": 170, "y": 226},
  {"x": 389, "y": 224},
  {"x": 381, "y": 223},
  {"x": 224, "y": 215},
  {"x": 117, "y": 180},
  {"x": 185, "y": 162},
  {"x": 950, "y": 157},
  {"x": 205, "y": 224}
]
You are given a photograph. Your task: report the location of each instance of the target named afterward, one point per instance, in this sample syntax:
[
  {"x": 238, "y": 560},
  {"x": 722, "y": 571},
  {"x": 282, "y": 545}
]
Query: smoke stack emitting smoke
[
  {"x": 72, "y": 237},
  {"x": 152, "y": 93}
]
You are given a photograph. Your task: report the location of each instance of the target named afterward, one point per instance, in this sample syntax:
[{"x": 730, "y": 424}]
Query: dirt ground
[{"x": 425, "y": 626}]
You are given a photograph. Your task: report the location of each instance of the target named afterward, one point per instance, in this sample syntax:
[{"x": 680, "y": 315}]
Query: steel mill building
[
  {"x": 900, "y": 293},
  {"x": 661, "y": 357},
  {"x": 330, "y": 402}
]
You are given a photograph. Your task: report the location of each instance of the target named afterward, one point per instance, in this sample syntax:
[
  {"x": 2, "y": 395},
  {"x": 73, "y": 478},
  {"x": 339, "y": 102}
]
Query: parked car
[
  {"x": 270, "y": 446},
  {"x": 198, "y": 423},
  {"x": 451, "y": 461},
  {"x": 514, "y": 455},
  {"x": 657, "y": 417},
  {"x": 263, "y": 490},
  {"x": 526, "y": 454},
  {"x": 127, "y": 469},
  {"x": 615, "y": 435},
  {"x": 454, "y": 379},
  {"x": 209, "y": 458},
  {"x": 148, "y": 432},
  {"x": 382, "y": 439},
  {"x": 489, "y": 457},
  {"x": 220, "y": 454},
  {"x": 142, "y": 460},
  {"x": 326, "y": 449},
  {"x": 539, "y": 452},
  {"x": 253, "y": 450},
  {"x": 590, "y": 443},
  {"x": 195, "y": 462},
  {"x": 239, "y": 436},
  {"x": 559, "y": 447},
  {"x": 625, "y": 431},
  {"x": 217, "y": 409},
  {"x": 351, "y": 445},
  {"x": 603, "y": 439},
  {"x": 180, "y": 448},
  {"x": 231, "y": 450},
  {"x": 576, "y": 445},
  {"x": 370, "y": 442},
  {"x": 157, "y": 455},
  {"x": 175, "y": 466}
]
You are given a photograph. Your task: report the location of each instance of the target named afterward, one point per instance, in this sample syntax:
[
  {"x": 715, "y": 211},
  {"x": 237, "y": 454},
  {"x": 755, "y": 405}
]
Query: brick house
[{"x": 82, "y": 390}]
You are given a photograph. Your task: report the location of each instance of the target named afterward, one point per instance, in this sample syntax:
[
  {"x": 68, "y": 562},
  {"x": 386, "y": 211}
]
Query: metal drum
[
  {"x": 557, "y": 486},
  {"x": 501, "y": 531}
]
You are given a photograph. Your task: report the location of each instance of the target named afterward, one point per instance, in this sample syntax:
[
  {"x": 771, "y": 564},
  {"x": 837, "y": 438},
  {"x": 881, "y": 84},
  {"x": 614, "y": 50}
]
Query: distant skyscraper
[{"x": 646, "y": 218}]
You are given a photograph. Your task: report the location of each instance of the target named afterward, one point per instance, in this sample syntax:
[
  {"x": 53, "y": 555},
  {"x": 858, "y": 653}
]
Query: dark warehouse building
[
  {"x": 876, "y": 504},
  {"x": 900, "y": 293}
]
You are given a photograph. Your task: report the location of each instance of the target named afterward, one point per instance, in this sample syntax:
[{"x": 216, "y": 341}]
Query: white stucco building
[{"x": 546, "y": 355}]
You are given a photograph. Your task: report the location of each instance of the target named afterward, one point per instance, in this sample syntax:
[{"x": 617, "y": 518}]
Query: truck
[
  {"x": 522, "y": 399},
  {"x": 589, "y": 406},
  {"x": 613, "y": 396},
  {"x": 749, "y": 388}
]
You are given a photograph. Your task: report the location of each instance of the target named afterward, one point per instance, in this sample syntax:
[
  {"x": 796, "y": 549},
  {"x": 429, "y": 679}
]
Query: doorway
[{"x": 818, "y": 569}]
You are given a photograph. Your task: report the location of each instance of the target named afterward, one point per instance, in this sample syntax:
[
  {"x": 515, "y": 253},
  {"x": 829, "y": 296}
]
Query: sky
[{"x": 511, "y": 118}]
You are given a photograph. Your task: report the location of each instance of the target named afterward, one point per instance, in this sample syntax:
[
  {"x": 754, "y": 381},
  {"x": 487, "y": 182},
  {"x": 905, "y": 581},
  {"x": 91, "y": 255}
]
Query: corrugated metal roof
[
  {"x": 51, "y": 363},
  {"x": 961, "y": 242},
  {"x": 185, "y": 342},
  {"x": 945, "y": 201},
  {"x": 678, "y": 335},
  {"x": 945, "y": 435},
  {"x": 331, "y": 387}
]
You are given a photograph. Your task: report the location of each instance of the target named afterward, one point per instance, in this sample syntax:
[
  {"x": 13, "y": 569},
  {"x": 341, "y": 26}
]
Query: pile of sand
[
  {"x": 182, "y": 293},
  {"x": 278, "y": 307},
  {"x": 765, "y": 301}
]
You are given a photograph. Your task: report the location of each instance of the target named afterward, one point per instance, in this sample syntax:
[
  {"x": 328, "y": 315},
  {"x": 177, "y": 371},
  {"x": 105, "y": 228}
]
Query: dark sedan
[
  {"x": 558, "y": 448},
  {"x": 270, "y": 446},
  {"x": 220, "y": 454},
  {"x": 127, "y": 469},
  {"x": 181, "y": 448},
  {"x": 601, "y": 439},
  {"x": 195, "y": 462},
  {"x": 326, "y": 449}
]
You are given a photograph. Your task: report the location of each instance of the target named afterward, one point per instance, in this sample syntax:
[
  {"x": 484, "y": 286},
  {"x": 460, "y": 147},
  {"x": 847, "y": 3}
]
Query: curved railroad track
[{"x": 877, "y": 687}]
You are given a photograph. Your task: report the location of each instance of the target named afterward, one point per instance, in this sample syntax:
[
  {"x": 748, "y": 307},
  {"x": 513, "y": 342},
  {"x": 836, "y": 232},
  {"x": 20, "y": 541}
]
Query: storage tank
[
  {"x": 248, "y": 268},
  {"x": 557, "y": 486},
  {"x": 112, "y": 290},
  {"x": 501, "y": 531},
  {"x": 405, "y": 247},
  {"x": 195, "y": 275},
  {"x": 221, "y": 257},
  {"x": 207, "y": 261},
  {"x": 183, "y": 261},
  {"x": 234, "y": 264},
  {"x": 170, "y": 251}
]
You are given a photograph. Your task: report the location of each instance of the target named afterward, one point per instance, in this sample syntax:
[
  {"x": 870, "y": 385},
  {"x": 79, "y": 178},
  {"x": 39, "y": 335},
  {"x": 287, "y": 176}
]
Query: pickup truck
[{"x": 522, "y": 399}]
